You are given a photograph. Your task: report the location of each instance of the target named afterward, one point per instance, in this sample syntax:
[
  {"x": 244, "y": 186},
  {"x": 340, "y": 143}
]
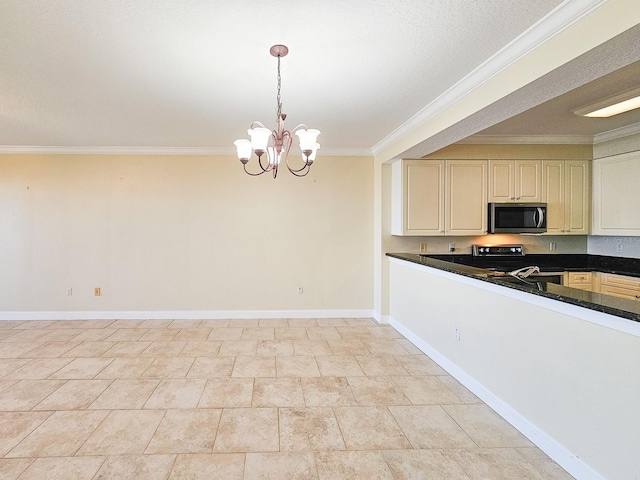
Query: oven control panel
[{"x": 497, "y": 250}]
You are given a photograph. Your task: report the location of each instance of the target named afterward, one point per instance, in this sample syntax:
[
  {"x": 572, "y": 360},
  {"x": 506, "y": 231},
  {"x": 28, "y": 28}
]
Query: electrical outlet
[
  {"x": 552, "y": 246},
  {"x": 423, "y": 247},
  {"x": 299, "y": 291},
  {"x": 452, "y": 247},
  {"x": 619, "y": 248},
  {"x": 456, "y": 333},
  {"x": 69, "y": 292},
  {"x": 96, "y": 291}
]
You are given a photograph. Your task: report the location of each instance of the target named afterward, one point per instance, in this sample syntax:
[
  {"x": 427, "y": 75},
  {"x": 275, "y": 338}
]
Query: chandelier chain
[{"x": 279, "y": 107}]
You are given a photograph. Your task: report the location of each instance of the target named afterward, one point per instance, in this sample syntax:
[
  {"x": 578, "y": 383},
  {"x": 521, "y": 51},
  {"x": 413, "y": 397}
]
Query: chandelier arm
[
  {"x": 252, "y": 174},
  {"x": 274, "y": 140},
  {"x": 306, "y": 164},
  {"x": 296, "y": 172},
  {"x": 286, "y": 137},
  {"x": 298, "y": 127},
  {"x": 260, "y": 163},
  {"x": 293, "y": 170}
]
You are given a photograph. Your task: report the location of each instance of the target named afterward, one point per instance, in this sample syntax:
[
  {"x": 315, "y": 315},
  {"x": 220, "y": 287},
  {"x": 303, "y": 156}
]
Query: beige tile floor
[{"x": 242, "y": 399}]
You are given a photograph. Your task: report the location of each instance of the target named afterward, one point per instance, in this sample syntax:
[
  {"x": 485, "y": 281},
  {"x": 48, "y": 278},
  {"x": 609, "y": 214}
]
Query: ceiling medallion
[{"x": 275, "y": 145}]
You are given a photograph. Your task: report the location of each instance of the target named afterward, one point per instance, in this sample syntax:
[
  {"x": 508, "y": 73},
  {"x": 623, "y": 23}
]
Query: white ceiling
[{"x": 195, "y": 74}]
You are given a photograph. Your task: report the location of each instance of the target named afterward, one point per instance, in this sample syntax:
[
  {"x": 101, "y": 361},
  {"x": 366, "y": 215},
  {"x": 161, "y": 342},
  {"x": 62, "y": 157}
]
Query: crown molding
[
  {"x": 98, "y": 150},
  {"x": 560, "y": 18},
  {"x": 178, "y": 151},
  {"x": 528, "y": 140},
  {"x": 633, "y": 129},
  {"x": 346, "y": 152}
]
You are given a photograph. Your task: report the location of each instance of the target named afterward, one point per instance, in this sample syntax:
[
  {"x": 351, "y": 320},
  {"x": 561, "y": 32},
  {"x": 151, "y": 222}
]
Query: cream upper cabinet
[
  {"x": 565, "y": 190},
  {"x": 466, "y": 197},
  {"x": 515, "y": 181},
  {"x": 418, "y": 197},
  {"x": 616, "y": 195},
  {"x": 439, "y": 197}
]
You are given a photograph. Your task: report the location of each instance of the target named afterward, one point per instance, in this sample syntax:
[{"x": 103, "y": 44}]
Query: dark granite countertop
[{"x": 477, "y": 268}]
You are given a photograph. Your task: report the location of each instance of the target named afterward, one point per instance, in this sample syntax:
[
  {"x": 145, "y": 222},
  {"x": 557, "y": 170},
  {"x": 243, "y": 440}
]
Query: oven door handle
[{"x": 539, "y": 214}]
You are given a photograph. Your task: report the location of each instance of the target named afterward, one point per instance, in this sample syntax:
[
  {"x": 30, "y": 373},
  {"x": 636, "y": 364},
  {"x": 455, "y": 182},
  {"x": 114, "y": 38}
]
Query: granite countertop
[{"x": 477, "y": 268}]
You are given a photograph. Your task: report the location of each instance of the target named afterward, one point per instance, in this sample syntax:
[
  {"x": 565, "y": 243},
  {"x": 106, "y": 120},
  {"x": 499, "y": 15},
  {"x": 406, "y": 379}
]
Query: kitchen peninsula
[
  {"x": 483, "y": 269},
  {"x": 559, "y": 364}
]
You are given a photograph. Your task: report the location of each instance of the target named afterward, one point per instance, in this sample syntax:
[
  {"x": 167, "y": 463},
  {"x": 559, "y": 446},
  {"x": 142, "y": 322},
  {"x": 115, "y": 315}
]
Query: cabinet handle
[
  {"x": 512, "y": 198},
  {"x": 517, "y": 198},
  {"x": 637, "y": 296}
]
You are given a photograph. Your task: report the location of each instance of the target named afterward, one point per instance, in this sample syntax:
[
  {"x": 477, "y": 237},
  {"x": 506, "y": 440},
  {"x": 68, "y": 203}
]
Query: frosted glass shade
[
  {"x": 259, "y": 138},
  {"x": 243, "y": 148},
  {"x": 308, "y": 139}
]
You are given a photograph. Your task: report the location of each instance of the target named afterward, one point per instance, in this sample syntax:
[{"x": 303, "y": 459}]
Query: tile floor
[{"x": 242, "y": 399}]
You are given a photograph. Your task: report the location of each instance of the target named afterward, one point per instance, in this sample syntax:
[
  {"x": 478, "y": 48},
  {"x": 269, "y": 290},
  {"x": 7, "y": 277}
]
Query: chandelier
[{"x": 273, "y": 146}]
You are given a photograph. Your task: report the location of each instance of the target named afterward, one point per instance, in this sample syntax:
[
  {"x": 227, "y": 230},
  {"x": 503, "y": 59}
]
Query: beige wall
[{"x": 160, "y": 233}]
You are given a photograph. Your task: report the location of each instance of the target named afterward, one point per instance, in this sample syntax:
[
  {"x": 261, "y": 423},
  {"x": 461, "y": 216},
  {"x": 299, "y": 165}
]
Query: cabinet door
[
  {"x": 619, "y": 292},
  {"x": 418, "y": 197},
  {"x": 580, "y": 280},
  {"x": 577, "y": 198},
  {"x": 619, "y": 286},
  {"x": 565, "y": 190},
  {"x": 528, "y": 181},
  {"x": 466, "y": 197},
  {"x": 501, "y": 181},
  {"x": 553, "y": 187},
  {"x": 616, "y": 195}
]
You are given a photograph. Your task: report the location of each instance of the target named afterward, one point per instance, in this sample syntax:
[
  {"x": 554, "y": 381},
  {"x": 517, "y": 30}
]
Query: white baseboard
[
  {"x": 381, "y": 319},
  {"x": 557, "y": 452},
  {"x": 183, "y": 314}
]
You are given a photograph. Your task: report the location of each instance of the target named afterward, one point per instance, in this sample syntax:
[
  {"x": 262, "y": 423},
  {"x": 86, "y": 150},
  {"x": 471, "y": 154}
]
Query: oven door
[{"x": 517, "y": 218}]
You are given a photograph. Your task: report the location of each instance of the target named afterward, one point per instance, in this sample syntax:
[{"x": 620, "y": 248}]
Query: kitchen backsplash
[
  {"x": 628, "y": 247},
  {"x": 533, "y": 243}
]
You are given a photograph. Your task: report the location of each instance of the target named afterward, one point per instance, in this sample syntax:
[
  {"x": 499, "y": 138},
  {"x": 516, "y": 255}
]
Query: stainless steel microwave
[{"x": 517, "y": 218}]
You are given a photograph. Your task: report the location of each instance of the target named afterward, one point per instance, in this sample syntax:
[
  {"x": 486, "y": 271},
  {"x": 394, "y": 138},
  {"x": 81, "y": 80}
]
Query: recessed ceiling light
[{"x": 623, "y": 102}]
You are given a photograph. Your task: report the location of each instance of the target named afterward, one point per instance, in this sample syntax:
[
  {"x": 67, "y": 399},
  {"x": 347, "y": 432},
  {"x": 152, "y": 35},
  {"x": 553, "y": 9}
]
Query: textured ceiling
[
  {"x": 556, "y": 116},
  {"x": 154, "y": 73}
]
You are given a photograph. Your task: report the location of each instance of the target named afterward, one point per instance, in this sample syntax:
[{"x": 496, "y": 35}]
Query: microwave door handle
[{"x": 540, "y": 215}]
